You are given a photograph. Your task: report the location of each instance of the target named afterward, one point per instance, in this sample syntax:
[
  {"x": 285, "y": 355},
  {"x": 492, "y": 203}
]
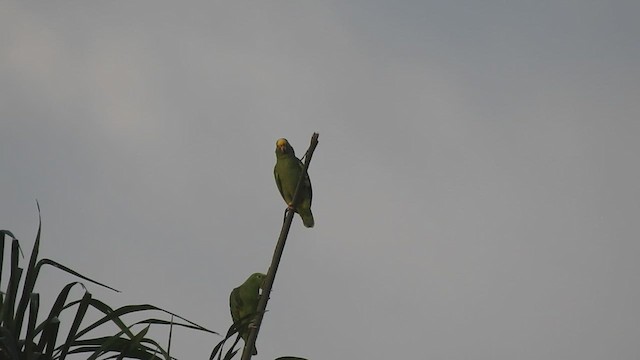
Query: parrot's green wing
[
  {"x": 278, "y": 181},
  {"x": 287, "y": 172},
  {"x": 235, "y": 304},
  {"x": 306, "y": 182}
]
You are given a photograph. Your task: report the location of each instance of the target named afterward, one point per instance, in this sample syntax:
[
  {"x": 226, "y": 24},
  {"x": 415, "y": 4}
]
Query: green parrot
[
  {"x": 287, "y": 172},
  {"x": 243, "y": 302}
]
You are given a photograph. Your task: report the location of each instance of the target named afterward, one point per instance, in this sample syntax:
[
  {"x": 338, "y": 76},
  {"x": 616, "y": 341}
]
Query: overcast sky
[{"x": 476, "y": 184}]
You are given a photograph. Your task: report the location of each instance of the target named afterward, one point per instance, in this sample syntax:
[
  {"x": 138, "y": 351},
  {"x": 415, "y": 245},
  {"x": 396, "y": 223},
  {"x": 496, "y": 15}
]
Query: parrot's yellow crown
[{"x": 281, "y": 142}]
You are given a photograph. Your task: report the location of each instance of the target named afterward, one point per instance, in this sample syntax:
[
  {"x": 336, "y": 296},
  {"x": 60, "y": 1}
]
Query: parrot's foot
[{"x": 252, "y": 325}]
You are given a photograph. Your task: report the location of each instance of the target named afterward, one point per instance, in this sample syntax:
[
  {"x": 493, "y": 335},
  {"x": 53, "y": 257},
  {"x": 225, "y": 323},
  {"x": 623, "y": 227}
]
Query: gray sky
[{"x": 476, "y": 185}]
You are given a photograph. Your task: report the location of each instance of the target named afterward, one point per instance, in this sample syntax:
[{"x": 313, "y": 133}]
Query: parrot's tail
[{"x": 307, "y": 217}]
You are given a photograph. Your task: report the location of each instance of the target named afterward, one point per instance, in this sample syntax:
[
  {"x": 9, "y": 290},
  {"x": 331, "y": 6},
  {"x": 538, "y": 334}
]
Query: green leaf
[
  {"x": 8, "y": 344},
  {"x": 233, "y": 329},
  {"x": 49, "y": 336},
  {"x": 30, "y": 278},
  {"x": 12, "y": 289},
  {"x": 3, "y": 234},
  {"x": 34, "y": 305},
  {"x": 102, "y": 345},
  {"x": 8, "y": 233},
  {"x": 113, "y": 315},
  {"x": 82, "y": 310},
  {"x": 70, "y": 271},
  {"x": 59, "y": 304},
  {"x": 229, "y": 355}
]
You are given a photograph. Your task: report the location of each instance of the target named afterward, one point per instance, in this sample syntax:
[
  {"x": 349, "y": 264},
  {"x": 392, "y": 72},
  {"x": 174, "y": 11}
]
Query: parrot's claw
[{"x": 252, "y": 325}]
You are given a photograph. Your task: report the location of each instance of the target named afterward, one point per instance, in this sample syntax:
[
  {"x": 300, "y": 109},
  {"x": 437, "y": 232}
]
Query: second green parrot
[
  {"x": 243, "y": 302},
  {"x": 287, "y": 172}
]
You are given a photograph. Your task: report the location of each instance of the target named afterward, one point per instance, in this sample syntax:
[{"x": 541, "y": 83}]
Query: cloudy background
[{"x": 476, "y": 184}]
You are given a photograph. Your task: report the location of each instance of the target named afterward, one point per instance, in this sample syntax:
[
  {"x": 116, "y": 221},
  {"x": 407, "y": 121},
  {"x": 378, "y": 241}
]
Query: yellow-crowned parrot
[
  {"x": 287, "y": 172},
  {"x": 243, "y": 302}
]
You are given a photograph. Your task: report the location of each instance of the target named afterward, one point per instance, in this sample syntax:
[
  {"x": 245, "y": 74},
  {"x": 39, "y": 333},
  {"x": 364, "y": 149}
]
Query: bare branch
[{"x": 277, "y": 254}]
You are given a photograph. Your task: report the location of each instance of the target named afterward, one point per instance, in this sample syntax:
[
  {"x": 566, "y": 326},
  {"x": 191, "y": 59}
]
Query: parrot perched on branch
[
  {"x": 243, "y": 302},
  {"x": 287, "y": 172}
]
